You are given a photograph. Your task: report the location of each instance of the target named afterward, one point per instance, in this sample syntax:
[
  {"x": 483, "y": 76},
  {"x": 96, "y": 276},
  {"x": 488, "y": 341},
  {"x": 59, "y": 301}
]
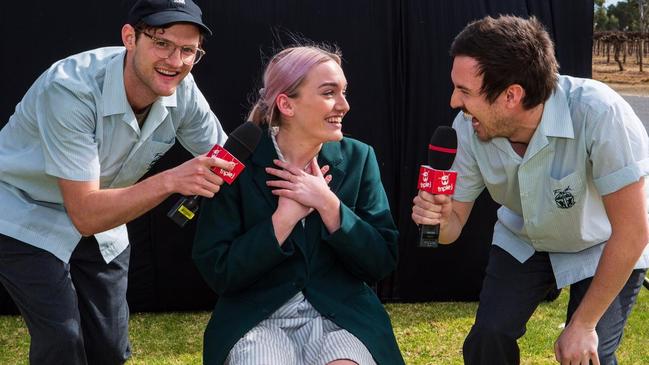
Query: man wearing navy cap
[{"x": 70, "y": 157}]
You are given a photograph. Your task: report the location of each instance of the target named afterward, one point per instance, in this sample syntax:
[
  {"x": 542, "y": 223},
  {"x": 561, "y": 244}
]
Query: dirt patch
[{"x": 630, "y": 81}]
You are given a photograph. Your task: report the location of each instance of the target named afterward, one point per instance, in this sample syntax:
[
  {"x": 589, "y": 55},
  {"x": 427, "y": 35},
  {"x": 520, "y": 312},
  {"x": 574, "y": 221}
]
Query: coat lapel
[
  {"x": 262, "y": 158},
  {"x": 331, "y": 155},
  {"x": 265, "y": 153}
]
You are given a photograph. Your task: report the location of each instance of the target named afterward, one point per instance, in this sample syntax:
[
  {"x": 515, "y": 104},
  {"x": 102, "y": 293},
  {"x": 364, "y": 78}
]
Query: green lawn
[{"x": 428, "y": 333}]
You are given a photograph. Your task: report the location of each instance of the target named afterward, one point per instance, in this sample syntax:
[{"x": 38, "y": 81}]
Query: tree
[
  {"x": 613, "y": 23},
  {"x": 628, "y": 14},
  {"x": 632, "y": 18},
  {"x": 643, "y": 14},
  {"x": 601, "y": 18},
  {"x": 642, "y": 8}
]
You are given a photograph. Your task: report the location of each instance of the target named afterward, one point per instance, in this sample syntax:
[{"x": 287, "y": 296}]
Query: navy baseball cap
[{"x": 161, "y": 12}]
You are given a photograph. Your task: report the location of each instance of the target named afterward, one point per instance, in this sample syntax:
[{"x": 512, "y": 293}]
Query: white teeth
[
  {"x": 335, "y": 120},
  {"x": 165, "y": 72},
  {"x": 468, "y": 116}
]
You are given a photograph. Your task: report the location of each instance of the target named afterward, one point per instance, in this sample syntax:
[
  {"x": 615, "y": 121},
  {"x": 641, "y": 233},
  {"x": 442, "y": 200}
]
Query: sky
[{"x": 610, "y": 2}]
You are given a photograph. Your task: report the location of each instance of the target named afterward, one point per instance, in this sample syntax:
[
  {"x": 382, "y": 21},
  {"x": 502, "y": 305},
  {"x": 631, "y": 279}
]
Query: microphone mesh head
[
  {"x": 441, "y": 151},
  {"x": 243, "y": 140}
]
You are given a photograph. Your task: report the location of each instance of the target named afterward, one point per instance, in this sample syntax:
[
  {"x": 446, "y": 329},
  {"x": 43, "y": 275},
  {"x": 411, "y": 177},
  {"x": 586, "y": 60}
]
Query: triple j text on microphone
[
  {"x": 240, "y": 144},
  {"x": 436, "y": 178}
]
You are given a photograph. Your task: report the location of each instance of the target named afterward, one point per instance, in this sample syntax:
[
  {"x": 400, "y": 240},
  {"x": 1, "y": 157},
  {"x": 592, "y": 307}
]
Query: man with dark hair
[
  {"x": 566, "y": 159},
  {"x": 70, "y": 158}
]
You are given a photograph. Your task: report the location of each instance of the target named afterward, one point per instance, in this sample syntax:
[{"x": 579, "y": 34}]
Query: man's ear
[
  {"x": 128, "y": 36},
  {"x": 285, "y": 105},
  {"x": 514, "y": 95}
]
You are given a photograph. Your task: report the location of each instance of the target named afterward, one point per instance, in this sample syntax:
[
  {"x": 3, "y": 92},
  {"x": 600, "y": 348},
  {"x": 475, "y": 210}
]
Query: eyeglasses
[{"x": 163, "y": 48}]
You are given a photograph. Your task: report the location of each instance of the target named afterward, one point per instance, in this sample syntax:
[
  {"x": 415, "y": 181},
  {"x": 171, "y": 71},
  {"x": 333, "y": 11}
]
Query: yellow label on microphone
[{"x": 186, "y": 212}]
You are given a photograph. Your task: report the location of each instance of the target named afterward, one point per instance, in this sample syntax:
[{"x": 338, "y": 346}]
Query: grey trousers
[
  {"x": 76, "y": 312},
  {"x": 297, "y": 334},
  {"x": 511, "y": 292}
]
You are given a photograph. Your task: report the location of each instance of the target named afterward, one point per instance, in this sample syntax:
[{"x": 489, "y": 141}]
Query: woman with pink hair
[{"x": 291, "y": 247}]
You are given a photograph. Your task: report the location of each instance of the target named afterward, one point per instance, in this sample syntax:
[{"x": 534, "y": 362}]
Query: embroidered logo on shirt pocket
[
  {"x": 564, "y": 198},
  {"x": 567, "y": 191}
]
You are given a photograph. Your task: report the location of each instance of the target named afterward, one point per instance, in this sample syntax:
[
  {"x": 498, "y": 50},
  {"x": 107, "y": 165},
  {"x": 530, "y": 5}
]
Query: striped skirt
[{"x": 296, "y": 334}]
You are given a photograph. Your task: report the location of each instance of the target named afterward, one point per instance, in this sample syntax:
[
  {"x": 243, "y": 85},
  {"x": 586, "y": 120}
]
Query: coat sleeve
[
  {"x": 230, "y": 256},
  {"x": 366, "y": 241}
]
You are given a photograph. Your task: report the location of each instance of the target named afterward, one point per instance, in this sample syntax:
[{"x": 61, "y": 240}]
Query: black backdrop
[{"x": 397, "y": 64}]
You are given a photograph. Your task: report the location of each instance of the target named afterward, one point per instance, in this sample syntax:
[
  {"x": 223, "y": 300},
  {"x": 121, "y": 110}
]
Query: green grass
[{"x": 428, "y": 333}]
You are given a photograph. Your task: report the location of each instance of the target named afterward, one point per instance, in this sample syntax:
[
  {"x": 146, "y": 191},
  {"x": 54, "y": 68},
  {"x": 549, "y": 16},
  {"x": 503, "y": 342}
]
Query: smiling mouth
[
  {"x": 335, "y": 120},
  {"x": 167, "y": 73},
  {"x": 470, "y": 118}
]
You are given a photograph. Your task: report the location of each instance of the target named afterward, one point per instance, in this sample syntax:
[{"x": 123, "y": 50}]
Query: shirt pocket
[
  {"x": 560, "y": 222},
  {"x": 565, "y": 195},
  {"x": 140, "y": 162},
  {"x": 152, "y": 152}
]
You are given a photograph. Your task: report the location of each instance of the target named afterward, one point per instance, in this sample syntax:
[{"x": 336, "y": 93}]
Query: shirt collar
[
  {"x": 114, "y": 94},
  {"x": 556, "y": 120}
]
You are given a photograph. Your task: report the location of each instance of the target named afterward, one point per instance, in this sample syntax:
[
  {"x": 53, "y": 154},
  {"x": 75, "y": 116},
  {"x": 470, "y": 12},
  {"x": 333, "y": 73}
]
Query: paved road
[{"x": 640, "y": 105}]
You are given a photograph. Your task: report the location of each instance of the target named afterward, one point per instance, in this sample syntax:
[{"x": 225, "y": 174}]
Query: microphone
[
  {"x": 436, "y": 177},
  {"x": 240, "y": 144}
]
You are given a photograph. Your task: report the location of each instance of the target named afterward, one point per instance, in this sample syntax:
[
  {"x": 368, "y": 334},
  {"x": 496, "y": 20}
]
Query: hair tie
[{"x": 262, "y": 91}]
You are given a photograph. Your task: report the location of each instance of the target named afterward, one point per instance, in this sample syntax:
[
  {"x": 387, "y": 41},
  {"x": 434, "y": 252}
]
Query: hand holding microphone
[
  {"x": 196, "y": 176},
  {"x": 240, "y": 144},
  {"x": 436, "y": 179}
]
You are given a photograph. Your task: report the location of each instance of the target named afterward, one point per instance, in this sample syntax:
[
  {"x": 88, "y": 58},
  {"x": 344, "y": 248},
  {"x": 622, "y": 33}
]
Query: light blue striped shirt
[
  {"x": 75, "y": 123},
  {"x": 589, "y": 143}
]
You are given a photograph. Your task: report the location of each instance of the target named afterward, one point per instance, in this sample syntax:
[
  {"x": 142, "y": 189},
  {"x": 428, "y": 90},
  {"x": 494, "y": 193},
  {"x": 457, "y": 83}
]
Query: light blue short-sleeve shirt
[
  {"x": 75, "y": 123},
  {"x": 588, "y": 144}
]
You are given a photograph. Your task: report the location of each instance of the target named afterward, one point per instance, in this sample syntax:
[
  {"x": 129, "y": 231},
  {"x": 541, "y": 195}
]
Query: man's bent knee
[
  {"x": 488, "y": 344},
  {"x": 59, "y": 344}
]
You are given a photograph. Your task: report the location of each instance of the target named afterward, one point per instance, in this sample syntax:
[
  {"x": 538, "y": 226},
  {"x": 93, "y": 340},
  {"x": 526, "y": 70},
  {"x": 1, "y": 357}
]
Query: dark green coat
[{"x": 237, "y": 253}]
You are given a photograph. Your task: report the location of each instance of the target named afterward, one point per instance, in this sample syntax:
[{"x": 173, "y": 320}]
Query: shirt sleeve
[
  {"x": 618, "y": 147},
  {"x": 200, "y": 129},
  {"x": 66, "y": 120},
  {"x": 469, "y": 183}
]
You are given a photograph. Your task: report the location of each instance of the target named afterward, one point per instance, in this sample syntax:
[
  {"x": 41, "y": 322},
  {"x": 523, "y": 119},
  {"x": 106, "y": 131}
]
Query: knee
[
  {"x": 116, "y": 352},
  {"x": 66, "y": 334},
  {"x": 61, "y": 341},
  {"x": 489, "y": 338},
  {"x": 114, "y": 349},
  {"x": 486, "y": 333},
  {"x": 606, "y": 350},
  {"x": 487, "y": 344}
]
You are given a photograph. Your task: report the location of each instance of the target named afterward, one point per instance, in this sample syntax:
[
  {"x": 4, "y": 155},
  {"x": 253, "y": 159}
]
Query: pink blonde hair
[{"x": 284, "y": 74}]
